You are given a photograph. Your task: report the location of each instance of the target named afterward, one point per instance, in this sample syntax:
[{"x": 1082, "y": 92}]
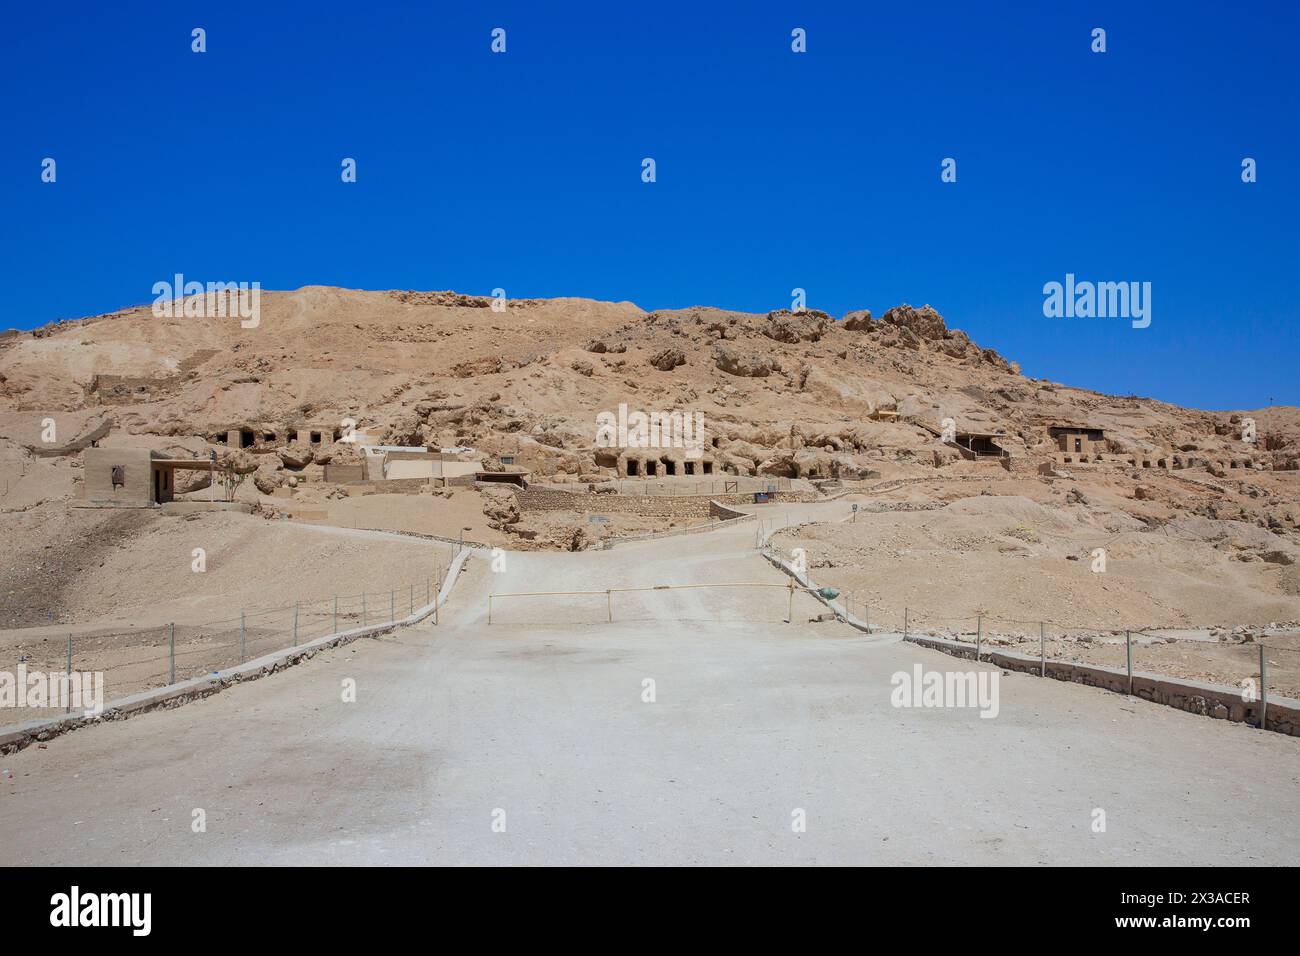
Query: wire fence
[
  {"x": 1255, "y": 657},
  {"x": 1258, "y": 659},
  {"x": 749, "y": 602},
  {"x": 150, "y": 657}
]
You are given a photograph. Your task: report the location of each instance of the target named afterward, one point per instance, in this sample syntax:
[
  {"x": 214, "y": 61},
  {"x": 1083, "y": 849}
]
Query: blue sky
[{"x": 775, "y": 170}]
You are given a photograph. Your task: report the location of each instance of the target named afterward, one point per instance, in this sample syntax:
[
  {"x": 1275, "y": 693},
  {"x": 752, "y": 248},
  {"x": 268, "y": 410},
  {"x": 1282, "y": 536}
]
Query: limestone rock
[
  {"x": 743, "y": 365},
  {"x": 296, "y": 455},
  {"x": 859, "y": 320},
  {"x": 925, "y": 322},
  {"x": 266, "y": 479},
  {"x": 668, "y": 359},
  {"x": 793, "y": 327}
]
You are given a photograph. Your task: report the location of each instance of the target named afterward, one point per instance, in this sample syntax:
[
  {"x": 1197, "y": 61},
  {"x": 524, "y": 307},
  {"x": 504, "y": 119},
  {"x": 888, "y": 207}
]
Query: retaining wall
[
  {"x": 666, "y": 506},
  {"x": 725, "y": 515}
]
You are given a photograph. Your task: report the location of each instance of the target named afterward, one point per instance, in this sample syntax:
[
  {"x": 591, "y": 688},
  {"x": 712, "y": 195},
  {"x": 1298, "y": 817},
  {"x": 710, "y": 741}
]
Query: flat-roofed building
[
  {"x": 1074, "y": 439},
  {"x": 133, "y": 477}
]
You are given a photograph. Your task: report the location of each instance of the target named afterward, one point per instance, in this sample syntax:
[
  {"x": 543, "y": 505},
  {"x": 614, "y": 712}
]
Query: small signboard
[{"x": 855, "y": 506}]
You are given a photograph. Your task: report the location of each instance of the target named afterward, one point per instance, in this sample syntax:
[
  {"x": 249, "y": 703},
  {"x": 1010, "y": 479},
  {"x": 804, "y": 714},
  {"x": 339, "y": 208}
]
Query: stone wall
[
  {"x": 667, "y": 506},
  {"x": 345, "y": 474},
  {"x": 725, "y": 514},
  {"x": 537, "y": 499},
  {"x": 722, "y": 512}
]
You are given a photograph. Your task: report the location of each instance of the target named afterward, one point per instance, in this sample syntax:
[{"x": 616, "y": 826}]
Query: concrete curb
[
  {"x": 841, "y": 614},
  {"x": 18, "y": 736},
  {"x": 783, "y": 565}
]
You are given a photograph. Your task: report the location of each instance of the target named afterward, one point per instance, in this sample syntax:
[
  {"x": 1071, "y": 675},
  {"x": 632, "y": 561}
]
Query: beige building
[
  {"x": 132, "y": 477},
  {"x": 1078, "y": 439}
]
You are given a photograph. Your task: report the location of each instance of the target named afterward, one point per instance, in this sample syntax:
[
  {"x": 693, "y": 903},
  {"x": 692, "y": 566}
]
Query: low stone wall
[
  {"x": 540, "y": 499},
  {"x": 1210, "y": 700},
  {"x": 394, "y": 486},
  {"x": 665, "y": 506},
  {"x": 182, "y": 508},
  {"x": 680, "y": 486},
  {"x": 726, "y": 516},
  {"x": 345, "y": 474},
  {"x": 723, "y": 513}
]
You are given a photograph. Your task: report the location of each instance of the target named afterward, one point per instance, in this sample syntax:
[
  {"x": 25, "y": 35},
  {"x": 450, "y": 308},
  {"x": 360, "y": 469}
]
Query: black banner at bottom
[{"x": 334, "y": 906}]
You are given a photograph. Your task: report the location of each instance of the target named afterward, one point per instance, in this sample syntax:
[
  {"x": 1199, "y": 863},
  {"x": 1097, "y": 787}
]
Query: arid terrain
[
  {"x": 936, "y": 489},
  {"x": 1198, "y": 524}
]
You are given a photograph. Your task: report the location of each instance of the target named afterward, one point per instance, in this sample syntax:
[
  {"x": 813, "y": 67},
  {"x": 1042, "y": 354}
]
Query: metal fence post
[
  {"x": 609, "y": 599},
  {"x": 242, "y": 655},
  {"x": 69, "y": 707},
  {"x": 1042, "y": 649},
  {"x": 1263, "y": 690},
  {"x": 295, "y": 623},
  {"x": 866, "y": 616},
  {"x": 336, "y": 614},
  {"x": 171, "y": 651},
  {"x": 1128, "y": 652},
  {"x": 979, "y": 635},
  {"x": 904, "y": 623}
]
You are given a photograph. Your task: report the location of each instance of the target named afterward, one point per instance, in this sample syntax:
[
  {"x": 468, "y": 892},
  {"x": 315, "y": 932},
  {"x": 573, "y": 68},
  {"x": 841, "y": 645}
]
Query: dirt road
[{"x": 532, "y": 741}]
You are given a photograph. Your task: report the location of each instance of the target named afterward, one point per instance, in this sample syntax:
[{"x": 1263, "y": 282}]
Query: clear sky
[{"x": 775, "y": 169}]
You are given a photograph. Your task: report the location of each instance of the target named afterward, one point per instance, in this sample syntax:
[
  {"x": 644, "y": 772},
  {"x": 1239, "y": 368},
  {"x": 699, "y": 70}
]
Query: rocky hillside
[{"x": 788, "y": 394}]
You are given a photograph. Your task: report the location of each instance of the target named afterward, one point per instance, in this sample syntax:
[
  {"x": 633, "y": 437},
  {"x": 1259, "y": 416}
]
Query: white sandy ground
[{"x": 753, "y": 719}]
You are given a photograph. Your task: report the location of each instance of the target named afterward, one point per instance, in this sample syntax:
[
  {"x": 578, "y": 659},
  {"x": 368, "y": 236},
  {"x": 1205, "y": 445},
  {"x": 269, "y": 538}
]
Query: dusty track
[{"x": 753, "y": 719}]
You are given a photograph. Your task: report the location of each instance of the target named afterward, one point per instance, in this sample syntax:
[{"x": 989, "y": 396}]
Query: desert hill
[
  {"x": 439, "y": 367},
  {"x": 857, "y": 403}
]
